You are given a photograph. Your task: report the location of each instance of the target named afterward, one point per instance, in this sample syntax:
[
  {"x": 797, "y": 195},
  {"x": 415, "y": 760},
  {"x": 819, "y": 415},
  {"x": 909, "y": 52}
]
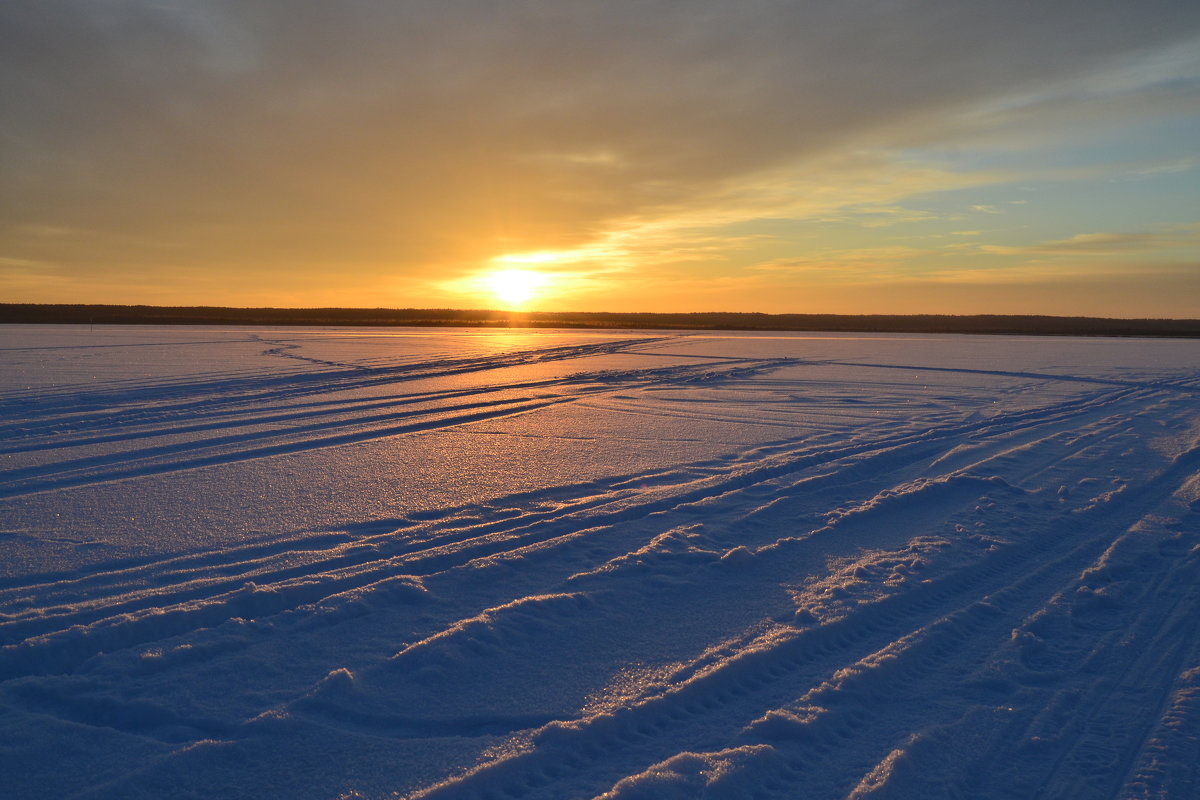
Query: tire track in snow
[
  {"x": 344, "y": 573},
  {"x": 247, "y": 386},
  {"x": 1102, "y": 529},
  {"x": 522, "y": 775},
  {"x": 69, "y": 474},
  {"x": 870, "y": 594},
  {"x": 174, "y": 457},
  {"x": 1169, "y": 764},
  {"x": 1063, "y": 706},
  {"x": 358, "y": 565},
  {"x": 628, "y": 741},
  {"x": 1184, "y": 384}
]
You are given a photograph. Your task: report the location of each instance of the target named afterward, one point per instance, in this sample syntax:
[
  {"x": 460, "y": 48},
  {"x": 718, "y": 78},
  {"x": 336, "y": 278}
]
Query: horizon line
[
  {"x": 10, "y": 306},
  {"x": 984, "y": 324}
]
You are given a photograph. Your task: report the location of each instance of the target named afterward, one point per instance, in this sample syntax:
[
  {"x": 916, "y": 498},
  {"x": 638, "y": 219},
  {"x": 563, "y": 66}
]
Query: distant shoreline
[{"x": 1011, "y": 324}]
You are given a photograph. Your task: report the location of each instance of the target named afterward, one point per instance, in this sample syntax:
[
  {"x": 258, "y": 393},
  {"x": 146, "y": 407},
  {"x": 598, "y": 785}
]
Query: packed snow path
[{"x": 468, "y": 564}]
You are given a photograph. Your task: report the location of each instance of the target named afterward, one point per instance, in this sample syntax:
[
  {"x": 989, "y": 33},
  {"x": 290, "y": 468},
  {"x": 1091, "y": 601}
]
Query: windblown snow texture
[{"x": 521, "y": 564}]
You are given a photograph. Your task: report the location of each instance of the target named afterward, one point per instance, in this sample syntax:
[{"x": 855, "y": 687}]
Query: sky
[{"x": 860, "y": 156}]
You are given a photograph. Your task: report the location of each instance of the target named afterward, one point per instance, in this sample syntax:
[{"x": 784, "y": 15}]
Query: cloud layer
[{"x": 219, "y": 148}]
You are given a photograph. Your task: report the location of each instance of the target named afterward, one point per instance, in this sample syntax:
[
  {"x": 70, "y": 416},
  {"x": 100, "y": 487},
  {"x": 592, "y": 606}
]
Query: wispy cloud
[
  {"x": 849, "y": 266},
  {"x": 1033, "y": 273},
  {"x": 1173, "y": 167},
  {"x": 1102, "y": 244}
]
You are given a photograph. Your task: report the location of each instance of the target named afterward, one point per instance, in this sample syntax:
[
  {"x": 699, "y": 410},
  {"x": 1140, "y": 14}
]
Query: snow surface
[{"x": 321, "y": 563}]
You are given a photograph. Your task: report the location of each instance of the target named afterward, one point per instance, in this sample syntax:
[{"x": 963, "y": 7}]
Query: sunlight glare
[
  {"x": 515, "y": 286},
  {"x": 538, "y": 257}
]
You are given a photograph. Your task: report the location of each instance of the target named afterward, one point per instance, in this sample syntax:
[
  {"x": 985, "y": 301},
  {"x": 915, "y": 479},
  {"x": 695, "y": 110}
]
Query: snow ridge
[{"x": 727, "y": 567}]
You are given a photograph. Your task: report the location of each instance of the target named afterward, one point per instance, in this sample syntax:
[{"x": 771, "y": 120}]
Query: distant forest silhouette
[{"x": 29, "y": 313}]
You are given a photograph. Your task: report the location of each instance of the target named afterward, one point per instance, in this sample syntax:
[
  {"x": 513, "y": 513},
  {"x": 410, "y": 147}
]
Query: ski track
[{"x": 940, "y": 600}]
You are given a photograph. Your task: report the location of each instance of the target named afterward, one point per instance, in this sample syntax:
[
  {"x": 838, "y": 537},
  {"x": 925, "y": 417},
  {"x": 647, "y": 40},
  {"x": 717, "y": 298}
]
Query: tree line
[{"x": 33, "y": 313}]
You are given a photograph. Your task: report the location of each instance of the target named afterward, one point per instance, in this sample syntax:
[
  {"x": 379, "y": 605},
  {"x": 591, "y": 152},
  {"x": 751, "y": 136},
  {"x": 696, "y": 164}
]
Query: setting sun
[{"x": 515, "y": 286}]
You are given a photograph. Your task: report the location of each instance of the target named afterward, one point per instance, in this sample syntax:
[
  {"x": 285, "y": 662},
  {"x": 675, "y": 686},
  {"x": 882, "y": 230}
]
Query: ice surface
[{"x": 321, "y": 563}]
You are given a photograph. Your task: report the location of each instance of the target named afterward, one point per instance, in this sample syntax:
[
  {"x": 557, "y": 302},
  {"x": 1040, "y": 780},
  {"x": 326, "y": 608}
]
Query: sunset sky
[{"x": 864, "y": 156}]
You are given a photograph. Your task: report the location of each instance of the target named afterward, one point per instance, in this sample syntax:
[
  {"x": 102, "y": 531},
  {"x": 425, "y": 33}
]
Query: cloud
[
  {"x": 1110, "y": 294},
  {"x": 1114, "y": 99},
  {"x": 854, "y": 266},
  {"x": 1173, "y": 167},
  {"x": 228, "y": 144},
  {"x": 1103, "y": 244}
]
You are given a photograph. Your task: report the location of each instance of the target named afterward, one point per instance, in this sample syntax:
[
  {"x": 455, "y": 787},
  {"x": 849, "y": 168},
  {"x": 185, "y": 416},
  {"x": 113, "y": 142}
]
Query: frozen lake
[{"x": 359, "y": 563}]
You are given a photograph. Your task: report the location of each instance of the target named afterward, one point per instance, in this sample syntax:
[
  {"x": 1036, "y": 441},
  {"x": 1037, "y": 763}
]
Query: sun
[{"x": 515, "y": 287}]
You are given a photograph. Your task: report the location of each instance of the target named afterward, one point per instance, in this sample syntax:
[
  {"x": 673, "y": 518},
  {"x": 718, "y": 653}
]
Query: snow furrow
[
  {"x": 633, "y": 567},
  {"x": 347, "y": 568},
  {"x": 630, "y": 732}
]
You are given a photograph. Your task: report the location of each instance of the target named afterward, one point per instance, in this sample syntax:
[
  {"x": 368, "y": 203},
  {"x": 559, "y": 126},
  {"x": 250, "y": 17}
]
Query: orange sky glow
[{"x": 943, "y": 157}]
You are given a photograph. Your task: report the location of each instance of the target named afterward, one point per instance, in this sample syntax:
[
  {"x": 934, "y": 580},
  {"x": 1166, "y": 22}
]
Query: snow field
[{"x": 627, "y": 565}]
